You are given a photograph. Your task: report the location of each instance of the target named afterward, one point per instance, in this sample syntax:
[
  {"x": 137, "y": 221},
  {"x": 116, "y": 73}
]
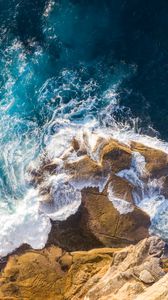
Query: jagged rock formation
[
  {"x": 98, "y": 221},
  {"x": 133, "y": 270},
  {"x": 99, "y": 274},
  {"x": 157, "y": 291}
]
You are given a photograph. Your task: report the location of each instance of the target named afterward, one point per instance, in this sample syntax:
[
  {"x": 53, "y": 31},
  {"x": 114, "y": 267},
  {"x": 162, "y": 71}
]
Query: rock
[
  {"x": 107, "y": 215},
  {"x": 133, "y": 270},
  {"x": 116, "y": 155},
  {"x": 146, "y": 277},
  {"x": 108, "y": 225},
  {"x": 164, "y": 189},
  {"x": 99, "y": 274},
  {"x": 53, "y": 274},
  {"x": 98, "y": 223},
  {"x": 158, "y": 291},
  {"x": 85, "y": 169},
  {"x": 156, "y": 160}
]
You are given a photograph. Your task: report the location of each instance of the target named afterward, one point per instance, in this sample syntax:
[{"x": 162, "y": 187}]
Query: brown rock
[
  {"x": 156, "y": 160},
  {"x": 85, "y": 169},
  {"x": 111, "y": 227},
  {"x": 116, "y": 155},
  {"x": 98, "y": 223},
  {"x": 122, "y": 188}
]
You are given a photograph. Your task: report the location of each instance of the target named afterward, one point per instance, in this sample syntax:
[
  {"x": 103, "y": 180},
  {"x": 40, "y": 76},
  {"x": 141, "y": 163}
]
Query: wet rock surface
[{"x": 98, "y": 223}]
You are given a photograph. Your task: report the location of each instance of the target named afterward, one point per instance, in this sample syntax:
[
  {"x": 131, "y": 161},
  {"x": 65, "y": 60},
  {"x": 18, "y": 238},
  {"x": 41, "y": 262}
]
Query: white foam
[
  {"x": 31, "y": 224},
  {"x": 159, "y": 221},
  {"x": 25, "y": 225},
  {"x": 48, "y": 8},
  {"x": 147, "y": 196},
  {"x": 121, "y": 205},
  {"x": 138, "y": 163},
  {"x": 65, "y": 198},
  {"x": 151, "y": 205}
]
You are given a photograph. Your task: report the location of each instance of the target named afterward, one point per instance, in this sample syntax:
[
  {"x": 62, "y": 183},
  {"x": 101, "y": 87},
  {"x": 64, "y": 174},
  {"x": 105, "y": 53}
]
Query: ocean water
[{"x": 68, "y": 66}]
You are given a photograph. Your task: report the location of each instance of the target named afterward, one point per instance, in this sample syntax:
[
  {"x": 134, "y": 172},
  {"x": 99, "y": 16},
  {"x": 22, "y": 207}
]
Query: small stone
[{"x": 146, "y": 277}]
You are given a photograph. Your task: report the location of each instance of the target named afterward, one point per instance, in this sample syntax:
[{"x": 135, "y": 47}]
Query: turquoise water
[{"x": 47, "y": 74}]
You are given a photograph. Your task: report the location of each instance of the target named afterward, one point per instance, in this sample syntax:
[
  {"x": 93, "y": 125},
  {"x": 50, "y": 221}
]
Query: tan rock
[
  {"x": 146, "y": 276},
  {"x": 132, "y": 267},
  {"x": 158, "y": 291},
  {"x": 99, "y": 221},
  {"x": 99, "y": 274},
  {"x": 122, "y": 188},
  {"x": 111, "y": 227},
  {"x": 85, "y": 168},
  {"x": 52, "y": 274}
]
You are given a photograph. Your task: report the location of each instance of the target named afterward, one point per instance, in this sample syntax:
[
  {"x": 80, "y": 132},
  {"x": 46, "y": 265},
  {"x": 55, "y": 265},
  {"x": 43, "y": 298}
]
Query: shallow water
[{"x": 67, "y": 65}]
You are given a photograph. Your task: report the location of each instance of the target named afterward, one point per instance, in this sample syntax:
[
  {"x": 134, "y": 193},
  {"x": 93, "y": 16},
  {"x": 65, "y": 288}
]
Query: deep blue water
[
  {"x": 85, "y": 34},
  {"x": 77, "y": 61}
]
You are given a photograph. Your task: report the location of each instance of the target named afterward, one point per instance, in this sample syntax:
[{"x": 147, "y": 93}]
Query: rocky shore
[{"x": 105, "y": 249}]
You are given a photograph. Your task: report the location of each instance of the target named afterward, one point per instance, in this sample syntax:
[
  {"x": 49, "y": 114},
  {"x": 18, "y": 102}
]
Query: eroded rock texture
[{"x": 97, "y": 274}]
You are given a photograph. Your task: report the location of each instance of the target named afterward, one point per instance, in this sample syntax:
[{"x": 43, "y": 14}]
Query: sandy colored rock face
[
  {"x": 99, "y": 274},
  {"x": 158, "y": 291},
  {"x": 53, "y": 274},
  {"x": 132, "y": 272}
]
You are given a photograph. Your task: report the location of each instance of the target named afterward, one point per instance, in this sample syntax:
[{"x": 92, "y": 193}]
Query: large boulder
[
  {"x": 116, "y": 155},
  {"x": 108, "y": 175},
  {"x": 99, "y": 223}
]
